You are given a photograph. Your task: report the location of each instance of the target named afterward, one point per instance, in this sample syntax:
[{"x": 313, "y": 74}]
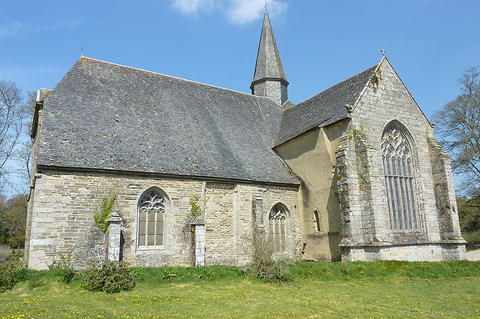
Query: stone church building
[{"x": 354, "y": 173}]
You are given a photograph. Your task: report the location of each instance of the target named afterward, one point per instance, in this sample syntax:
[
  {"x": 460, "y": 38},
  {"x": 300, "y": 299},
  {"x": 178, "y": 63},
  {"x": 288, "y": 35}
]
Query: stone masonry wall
[
  {"x": 361, "y": 185},
  {"x": 274, "y": 90},
  {"x": 64, "y": 203},
  {"x": 33, "y": 169}
]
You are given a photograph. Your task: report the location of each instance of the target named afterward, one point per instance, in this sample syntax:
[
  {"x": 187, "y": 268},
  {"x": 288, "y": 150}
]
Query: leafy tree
[
  {"x": 3, "y": 226},
  {"x": 13, "y": 219},
  {"x": 458, "y": 126},
  {"x": 469, "y": 213}
]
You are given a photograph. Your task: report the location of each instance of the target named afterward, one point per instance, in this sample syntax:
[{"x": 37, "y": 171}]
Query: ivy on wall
[{"x": 103, "y": 213}]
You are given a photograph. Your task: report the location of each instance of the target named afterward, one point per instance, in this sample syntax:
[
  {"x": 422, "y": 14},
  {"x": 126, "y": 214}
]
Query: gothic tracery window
[
  {"x": 151, "y": 210},
  {"x": 398, "y": 167},
  {"x": 278, "y": 222}
]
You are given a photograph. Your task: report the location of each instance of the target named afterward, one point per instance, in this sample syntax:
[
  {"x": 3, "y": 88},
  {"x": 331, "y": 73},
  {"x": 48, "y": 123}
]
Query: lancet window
[
  {"x": 151, "y": 210},
  {"x": 316, "y": 220},
  {"x": 278, "y": 226}
]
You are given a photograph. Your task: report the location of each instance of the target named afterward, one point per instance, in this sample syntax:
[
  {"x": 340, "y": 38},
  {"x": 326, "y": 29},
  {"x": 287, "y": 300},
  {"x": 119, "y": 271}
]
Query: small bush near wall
[
  {"x": 11, "y": 272},
  {"x": 110, "y": 276},
  {"x": 264, "y": 265}
]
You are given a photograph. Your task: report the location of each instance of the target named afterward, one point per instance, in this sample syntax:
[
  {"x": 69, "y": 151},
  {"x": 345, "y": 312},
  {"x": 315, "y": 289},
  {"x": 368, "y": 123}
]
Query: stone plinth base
[{"x": 423, "y": 252}]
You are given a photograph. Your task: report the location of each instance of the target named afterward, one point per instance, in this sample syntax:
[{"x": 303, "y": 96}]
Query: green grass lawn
[{"x": 316, "y": 290}]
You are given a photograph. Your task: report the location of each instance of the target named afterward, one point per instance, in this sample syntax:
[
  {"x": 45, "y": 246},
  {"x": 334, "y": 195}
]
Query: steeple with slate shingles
[{"x": 269, "y": 79}]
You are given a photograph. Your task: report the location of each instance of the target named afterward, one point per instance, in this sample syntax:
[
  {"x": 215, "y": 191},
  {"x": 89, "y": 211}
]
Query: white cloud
[
  {"x": 245, "y": 11},
  {"x": 238, "y": 11}
]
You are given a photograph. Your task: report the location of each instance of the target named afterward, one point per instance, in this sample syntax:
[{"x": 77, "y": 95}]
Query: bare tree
[
  {"x": 12, "y": 115},
  {"x": 458, "y": 125},
  {"x": 24, "y": 152}
]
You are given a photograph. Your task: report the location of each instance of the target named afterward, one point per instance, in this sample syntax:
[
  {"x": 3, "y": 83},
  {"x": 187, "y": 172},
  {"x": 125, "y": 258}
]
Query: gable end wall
[{"x": 362, "y": 192}]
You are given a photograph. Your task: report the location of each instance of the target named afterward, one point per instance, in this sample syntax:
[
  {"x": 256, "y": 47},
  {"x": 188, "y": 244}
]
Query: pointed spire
[
  {"x": 269, "y": 67},
  {"x": 269, "y": 64}
]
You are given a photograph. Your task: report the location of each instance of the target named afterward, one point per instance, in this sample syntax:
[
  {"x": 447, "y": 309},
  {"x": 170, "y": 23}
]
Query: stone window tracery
[
  {"x": 151, "y": 210},
  {"x": 398, "y": 167},
  {"x": 278, "y": 225}
]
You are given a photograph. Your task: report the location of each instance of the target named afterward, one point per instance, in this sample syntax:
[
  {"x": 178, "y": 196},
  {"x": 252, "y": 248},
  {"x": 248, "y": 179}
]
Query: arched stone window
[
  {"x": 398, "y": 168},
  {"x": 316, "y": 219},
  {"x": 278, "y": 226},
  {"x": 151, "y": 210}
]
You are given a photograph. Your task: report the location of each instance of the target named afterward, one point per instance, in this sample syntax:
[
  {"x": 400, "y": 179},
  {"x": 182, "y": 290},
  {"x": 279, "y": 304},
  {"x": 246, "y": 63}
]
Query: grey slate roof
[
  {"x": 323, "y": 109},
  {"x": 268, "y": 65},
  {"x": 111, "y": 117}
]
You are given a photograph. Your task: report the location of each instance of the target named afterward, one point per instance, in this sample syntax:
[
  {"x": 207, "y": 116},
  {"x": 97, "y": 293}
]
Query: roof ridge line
[{"x": 171, "y": 76}]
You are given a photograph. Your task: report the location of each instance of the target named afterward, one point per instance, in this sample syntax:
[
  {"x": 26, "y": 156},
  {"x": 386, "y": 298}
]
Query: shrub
[
  {"x": 195, "y": 208},
  {"x": 104, "y": 212},
  {"x": 17, "y": 239},
  {"x": 264, "y": 265},
  {"x": 11, "y": 272},
  {"x": 5, "y": 252},
  {"x": 109, "y": 276}
]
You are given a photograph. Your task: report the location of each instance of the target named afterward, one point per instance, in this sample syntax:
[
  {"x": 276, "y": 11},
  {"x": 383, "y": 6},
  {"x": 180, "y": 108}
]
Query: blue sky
[{"x": 429, "y": 42}]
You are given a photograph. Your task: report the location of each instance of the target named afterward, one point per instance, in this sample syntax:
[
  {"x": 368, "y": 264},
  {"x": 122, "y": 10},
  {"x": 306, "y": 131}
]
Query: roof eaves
[{"x": 169, "y": 175}]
